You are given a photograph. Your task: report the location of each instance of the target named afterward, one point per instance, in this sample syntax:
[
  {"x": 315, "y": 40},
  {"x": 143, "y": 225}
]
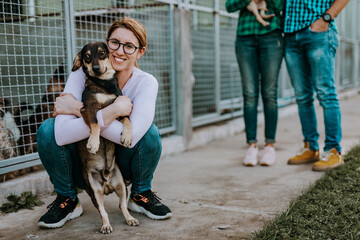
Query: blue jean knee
[{"x": 60, "y": 162}]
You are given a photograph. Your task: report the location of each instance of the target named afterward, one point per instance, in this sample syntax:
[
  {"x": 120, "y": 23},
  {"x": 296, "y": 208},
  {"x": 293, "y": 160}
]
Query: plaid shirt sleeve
[{"x": 234, "y": 5}]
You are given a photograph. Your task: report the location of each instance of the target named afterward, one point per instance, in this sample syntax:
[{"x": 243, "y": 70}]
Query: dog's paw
[
  {"x": 106, "y": 229},
  {"x": 126, "y": 140},
  {"x": 133, "y": 222},
  {"x": 93, "y": 144}
]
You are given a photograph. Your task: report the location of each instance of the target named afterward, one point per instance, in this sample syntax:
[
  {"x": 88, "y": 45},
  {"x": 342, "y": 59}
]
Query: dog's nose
[{"x": 96, "y": 68}]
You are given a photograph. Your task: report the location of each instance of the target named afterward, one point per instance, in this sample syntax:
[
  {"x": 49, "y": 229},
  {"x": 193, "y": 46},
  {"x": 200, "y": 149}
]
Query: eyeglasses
[{"x": 128, "y": 48}]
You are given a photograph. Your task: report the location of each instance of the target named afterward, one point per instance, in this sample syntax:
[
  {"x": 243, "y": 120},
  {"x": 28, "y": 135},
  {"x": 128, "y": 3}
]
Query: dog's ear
[{"x": 77, "y": 62}]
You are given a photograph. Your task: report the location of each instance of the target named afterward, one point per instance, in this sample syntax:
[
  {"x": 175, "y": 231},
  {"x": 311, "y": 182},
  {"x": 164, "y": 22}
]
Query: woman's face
[{"x": 119, "y": 59}]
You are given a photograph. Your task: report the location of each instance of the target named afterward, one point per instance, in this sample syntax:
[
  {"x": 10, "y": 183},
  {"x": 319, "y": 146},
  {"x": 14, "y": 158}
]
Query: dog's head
[
  {"x": 56, "y": 83},
  {"x": 94, "y": 59}
]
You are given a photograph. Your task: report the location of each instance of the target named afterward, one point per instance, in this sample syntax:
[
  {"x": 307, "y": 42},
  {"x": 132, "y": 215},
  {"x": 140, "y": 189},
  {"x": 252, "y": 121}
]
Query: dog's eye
[
  {"x": 87, "y": 56},
  {"x": 102, "y": 53}
]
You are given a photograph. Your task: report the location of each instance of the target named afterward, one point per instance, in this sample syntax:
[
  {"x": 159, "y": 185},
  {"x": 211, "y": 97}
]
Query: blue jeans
[
  {"x": 310, "y": 59},
  {"x": 62, "y": 163},
  {"x": 260, "y": 55}
]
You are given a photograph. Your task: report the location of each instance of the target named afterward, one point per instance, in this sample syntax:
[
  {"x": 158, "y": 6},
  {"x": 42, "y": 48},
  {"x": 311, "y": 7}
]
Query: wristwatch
[{"x": 327, "y": 17}]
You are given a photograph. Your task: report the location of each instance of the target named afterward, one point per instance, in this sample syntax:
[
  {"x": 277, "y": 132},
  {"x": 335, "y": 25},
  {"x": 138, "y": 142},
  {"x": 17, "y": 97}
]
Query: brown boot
[
  {"x": 306, "y": 155},
  {"x": 329, "y": 159}
]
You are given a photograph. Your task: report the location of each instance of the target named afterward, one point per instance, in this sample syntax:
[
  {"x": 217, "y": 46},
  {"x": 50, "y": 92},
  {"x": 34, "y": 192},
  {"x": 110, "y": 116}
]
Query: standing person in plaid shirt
[
  {"x": 311, "y": 40},
  {"x": 259, "y": 52}
]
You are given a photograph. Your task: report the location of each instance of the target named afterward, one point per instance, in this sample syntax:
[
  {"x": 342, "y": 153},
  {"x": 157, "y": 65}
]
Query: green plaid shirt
[{"x": 247, "y": 24}]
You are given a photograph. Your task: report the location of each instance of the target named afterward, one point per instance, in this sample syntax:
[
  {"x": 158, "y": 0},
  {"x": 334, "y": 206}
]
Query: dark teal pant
[{"x": 259, "y": 58}]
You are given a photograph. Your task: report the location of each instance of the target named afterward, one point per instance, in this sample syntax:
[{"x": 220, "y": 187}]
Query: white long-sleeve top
[{"x": 142, "y": 88}]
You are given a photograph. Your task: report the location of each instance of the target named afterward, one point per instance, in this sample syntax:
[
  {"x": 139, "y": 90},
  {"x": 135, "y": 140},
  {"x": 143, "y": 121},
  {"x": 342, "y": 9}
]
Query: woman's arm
[
  {"x": 69, "y": 126},
  {"x": 142, "y": 114},
  {"x": 235, "y": 5}
]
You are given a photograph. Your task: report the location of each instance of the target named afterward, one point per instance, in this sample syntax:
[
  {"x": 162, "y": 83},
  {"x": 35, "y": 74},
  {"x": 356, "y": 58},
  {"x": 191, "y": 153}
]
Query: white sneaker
[
  {"x": 251, "y": 156},
  {"x": 268, "y": 156}
]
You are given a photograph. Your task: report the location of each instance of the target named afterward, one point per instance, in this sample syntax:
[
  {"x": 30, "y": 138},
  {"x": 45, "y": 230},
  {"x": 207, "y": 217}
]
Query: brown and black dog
[{"x": 100, "y": 172}]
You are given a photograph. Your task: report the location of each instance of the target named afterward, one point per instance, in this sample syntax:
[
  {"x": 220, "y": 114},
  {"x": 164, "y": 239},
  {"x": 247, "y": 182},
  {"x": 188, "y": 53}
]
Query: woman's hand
[
  {"x": 67, "y": 104},
  {"x": 123, "y": 106}
]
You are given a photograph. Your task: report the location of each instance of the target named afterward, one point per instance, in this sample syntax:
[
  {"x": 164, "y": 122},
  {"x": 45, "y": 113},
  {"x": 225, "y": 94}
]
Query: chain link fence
[{"x": 40, "y": 38}]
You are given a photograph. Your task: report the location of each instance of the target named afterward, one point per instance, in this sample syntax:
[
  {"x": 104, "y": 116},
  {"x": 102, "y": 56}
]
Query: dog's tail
[{"x": 18, "y": 112}]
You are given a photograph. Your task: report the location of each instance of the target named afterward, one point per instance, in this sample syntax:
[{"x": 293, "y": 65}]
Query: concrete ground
[{"x": 211, "y": 194}]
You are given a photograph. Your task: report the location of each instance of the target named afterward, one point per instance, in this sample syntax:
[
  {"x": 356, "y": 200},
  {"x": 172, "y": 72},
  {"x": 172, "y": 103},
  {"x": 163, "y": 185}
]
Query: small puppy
[
  {"x": 254, "y": 7},
  {"x": 100, "y": 172}
]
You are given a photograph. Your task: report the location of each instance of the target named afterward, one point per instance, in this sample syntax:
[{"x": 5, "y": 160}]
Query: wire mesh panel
[
  {"x": 202, "y": 3},
  {"x": 357, "y": 35},
  {"x": 229, "y": 71},
  {"x": 222, "y": 5},
  {"x": 358, "y": 20},
  {"x": 346, "y": 20},
  {"x": 285, "y": 89},
  {"x": 348, "y": 28},
  {"x": 92, "y": 20},
  {"x": 32, "y": 68},
  {"x": 203, "y": 65},
  {"x": 346, "y": 64}
]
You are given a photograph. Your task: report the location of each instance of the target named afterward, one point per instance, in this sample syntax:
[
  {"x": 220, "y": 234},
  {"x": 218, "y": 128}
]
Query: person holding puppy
[
  {"x": 311, "y": 40},
  {"x": 259, "y": 51},
  {"x": 56, "y": 138}
]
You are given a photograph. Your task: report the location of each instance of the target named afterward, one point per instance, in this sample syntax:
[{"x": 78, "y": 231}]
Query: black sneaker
[
  {"x": 149, "y": 204},
  {"x": 61, "y": 210}
]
